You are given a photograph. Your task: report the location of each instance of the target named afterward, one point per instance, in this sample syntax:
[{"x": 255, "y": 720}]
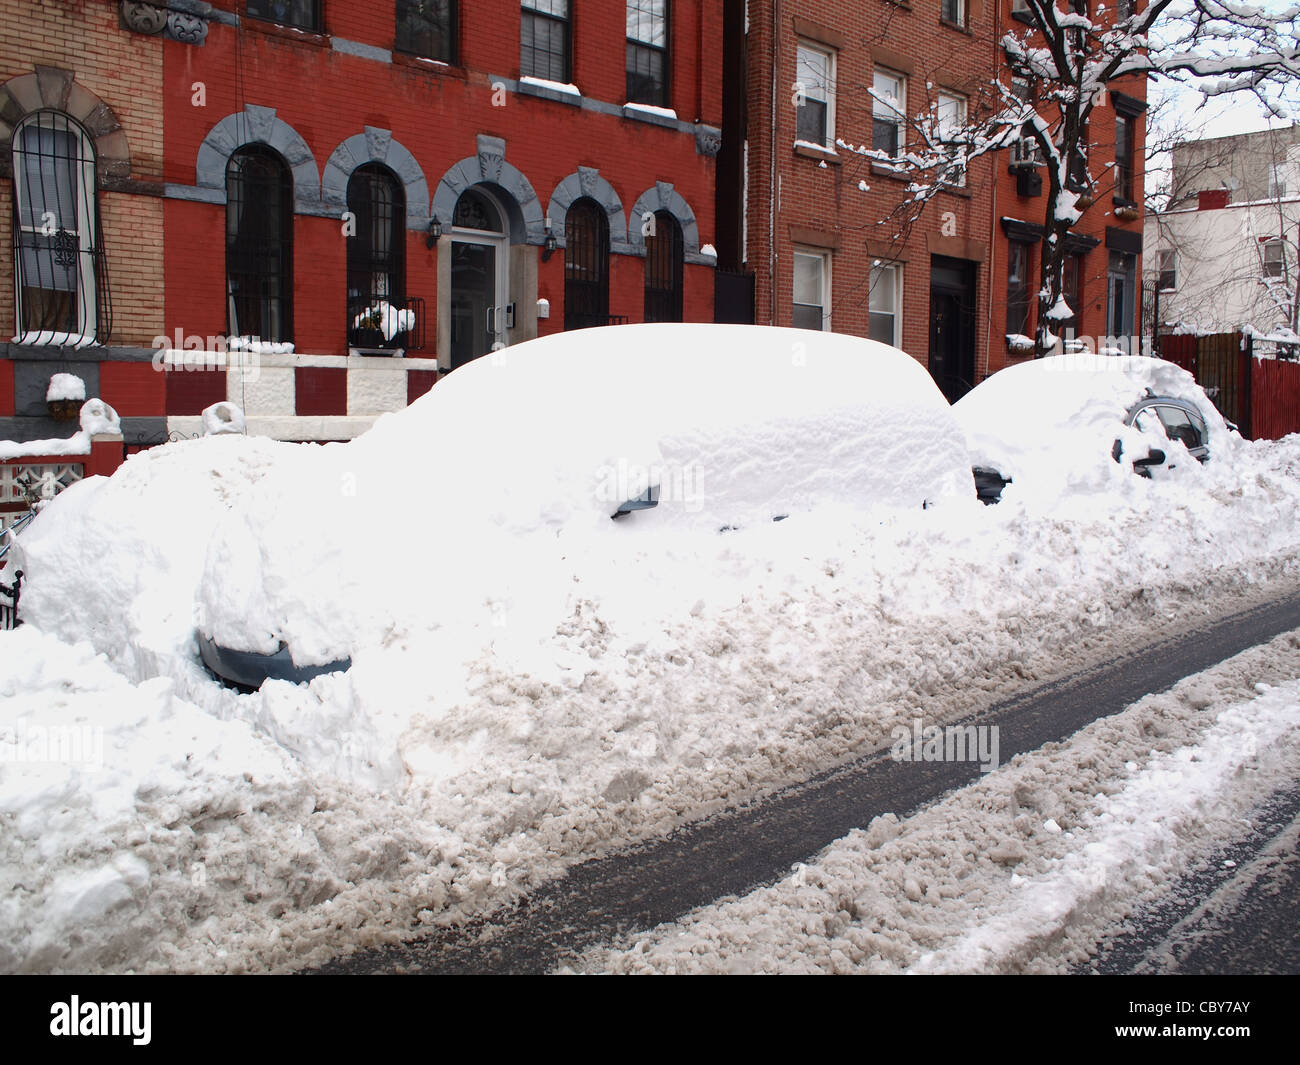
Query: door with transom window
[{"x": 479, "y": 277}]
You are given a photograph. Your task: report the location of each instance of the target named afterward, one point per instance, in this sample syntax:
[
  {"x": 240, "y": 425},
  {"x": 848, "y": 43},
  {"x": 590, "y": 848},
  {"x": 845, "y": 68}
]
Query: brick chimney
[{"x": 1212, "y": 199}]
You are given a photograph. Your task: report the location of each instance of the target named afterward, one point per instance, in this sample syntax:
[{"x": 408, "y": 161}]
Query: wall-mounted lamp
[
  {"x": 550, "y": 244},
  {"x": 435, "y": 232}
]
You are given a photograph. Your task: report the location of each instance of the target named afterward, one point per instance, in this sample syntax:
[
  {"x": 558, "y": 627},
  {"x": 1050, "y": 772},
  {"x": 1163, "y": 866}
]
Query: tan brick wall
[{"x": 124, "y": 70}]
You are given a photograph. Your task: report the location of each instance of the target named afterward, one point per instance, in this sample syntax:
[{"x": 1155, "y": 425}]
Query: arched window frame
[
  {"x": 376, "y": 257},
  {"x": 268, "y": 269},
  {"x": 665, "y": 259},
  {"x": 57, "y": 234},
  {"x": 586, "y": 264}
]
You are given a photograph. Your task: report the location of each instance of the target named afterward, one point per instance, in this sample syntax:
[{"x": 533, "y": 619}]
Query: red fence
[
  {"x": 1262, "y": 396},
  {"x": 1275, "y": 388}
]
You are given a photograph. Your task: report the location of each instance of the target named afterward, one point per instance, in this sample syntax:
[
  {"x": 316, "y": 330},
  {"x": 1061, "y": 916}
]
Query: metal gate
[{"x": 1220, "y": 363}]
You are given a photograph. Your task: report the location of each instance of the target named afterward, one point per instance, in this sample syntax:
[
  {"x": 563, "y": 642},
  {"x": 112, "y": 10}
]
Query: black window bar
[
  {"x": 427, "y": 28},
  {"x": 544, "y": 40},
  {"x": 647, "y": 52},
  {"x": 259, "y": 244},
  {"x": 380, "y": 316},
  {"x": 664, "y": 259},
  {"x": 586, "y": 265},
  {"x": 9, "y": 596},
  {"x": 301, "y": 14},
  {"x": 59, "y": 264}
]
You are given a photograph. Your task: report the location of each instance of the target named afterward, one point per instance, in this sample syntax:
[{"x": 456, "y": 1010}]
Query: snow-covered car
[
  {"x": 1077, "y": 423},
  {"x": 478, "y": 510}
]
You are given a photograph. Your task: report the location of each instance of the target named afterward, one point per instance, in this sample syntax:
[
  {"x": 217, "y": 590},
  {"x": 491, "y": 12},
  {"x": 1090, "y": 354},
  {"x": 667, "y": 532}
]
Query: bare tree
[{"x": 1069, "y": 60}]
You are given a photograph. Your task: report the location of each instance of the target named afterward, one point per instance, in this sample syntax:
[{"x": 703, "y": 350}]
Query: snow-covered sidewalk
[{"x": 1027, "y": 870}]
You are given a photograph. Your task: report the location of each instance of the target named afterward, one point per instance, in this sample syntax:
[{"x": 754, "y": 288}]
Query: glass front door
[
  {"x": 1121, "y": 284},
  {"x": 474, "y": 309}
]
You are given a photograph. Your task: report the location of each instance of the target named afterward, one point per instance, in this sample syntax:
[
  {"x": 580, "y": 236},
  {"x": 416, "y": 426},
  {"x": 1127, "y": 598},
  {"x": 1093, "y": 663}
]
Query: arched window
[
  {"x": 664, "y": 252},
  {"x": 60, "y": 278},
  {"x": 259, "y": 244},
  {"x": 376, "y": 254},
  {"x": 586, "y": 265}
]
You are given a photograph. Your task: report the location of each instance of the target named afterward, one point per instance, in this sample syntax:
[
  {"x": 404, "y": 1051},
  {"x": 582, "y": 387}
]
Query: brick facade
[
  {"x": 187, "y": 85},
  {"x": 331, "y": 87},
  {"x": 799, "y": 198}
]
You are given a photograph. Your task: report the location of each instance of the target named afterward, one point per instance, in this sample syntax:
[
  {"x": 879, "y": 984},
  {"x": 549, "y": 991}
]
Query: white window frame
[
  {"x": 960, "y": 101},
  {"x": 87, "y": 324},
  {"x": 961, "y": 14},
  {"x": 828, "y": 54},
  {"x": 1167, "y": 264},
  {"x": 1276, "y": 181},
  {"x": 878, "y": 268},
  {"x": 823, "y": 255},
  {"x": 880, "y": 109},
  {"x": 1273, "y": 266}
]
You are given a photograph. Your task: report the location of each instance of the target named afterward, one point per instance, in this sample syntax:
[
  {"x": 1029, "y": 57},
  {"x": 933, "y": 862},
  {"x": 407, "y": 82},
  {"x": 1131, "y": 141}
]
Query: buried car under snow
[
  {"x": 488, "y": 490},
  {"x": 477, "y": 517},
  {"x": 1077, "y": 423}
]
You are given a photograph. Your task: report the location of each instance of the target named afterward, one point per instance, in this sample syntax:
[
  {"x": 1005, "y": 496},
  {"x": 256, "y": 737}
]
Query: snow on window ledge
[
  {"x": 46, "y": 337},
  {"x": 651, "y": 109},
  {"x": 553, "y": 86},
  {"x": 814, "y": 146}
]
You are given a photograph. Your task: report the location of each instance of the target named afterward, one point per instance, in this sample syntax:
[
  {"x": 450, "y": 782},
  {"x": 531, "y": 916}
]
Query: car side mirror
[{"x": 1155, "y": 457}]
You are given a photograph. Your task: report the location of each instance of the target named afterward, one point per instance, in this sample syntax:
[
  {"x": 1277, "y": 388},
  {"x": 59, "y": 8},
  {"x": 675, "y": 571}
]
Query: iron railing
[
  {"x": 9, "y": 595},
  {"x": 589, "y": 321},
  {"x": 11, "y": 592},
  {"x": 58, "y": 242},
  {"x": 386, "y": 324}
]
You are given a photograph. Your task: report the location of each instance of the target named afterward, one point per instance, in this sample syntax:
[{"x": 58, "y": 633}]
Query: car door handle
[{"x": 489, "y": 321}]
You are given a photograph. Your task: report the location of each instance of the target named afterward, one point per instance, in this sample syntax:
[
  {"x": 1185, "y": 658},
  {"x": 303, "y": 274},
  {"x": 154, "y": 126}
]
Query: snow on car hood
[{"x": 1050, "y": 424}]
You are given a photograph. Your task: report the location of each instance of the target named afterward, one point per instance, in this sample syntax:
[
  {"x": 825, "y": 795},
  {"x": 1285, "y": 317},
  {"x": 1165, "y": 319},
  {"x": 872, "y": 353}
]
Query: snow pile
[
  {"x": 533, "y": 683},
  {"x": 221, "y": 419},
  {"x": 65, "y": 386},
  {"x": 258, "y": 346},
  {"x": 97, "y": 419},
  {"x": 125, "y": 555},
  {"x": 1028, "y": 869},
  {"x": 138, "y": 830},
  {"x": 1050, "y": 425},
  {"x": 771, "y": 425}
]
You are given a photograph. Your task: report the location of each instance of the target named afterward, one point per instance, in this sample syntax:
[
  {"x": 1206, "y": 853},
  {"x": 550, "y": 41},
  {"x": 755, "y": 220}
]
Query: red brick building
[
  {"x": 815, "y": 223},
  {"x": 1103, "y": 268},
  {"x": 368, "y": 195},
  {"x": 334, "y": 185}
]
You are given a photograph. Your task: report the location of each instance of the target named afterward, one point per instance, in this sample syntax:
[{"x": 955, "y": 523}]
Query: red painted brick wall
[
  {"x": 328, "y": 96},
  {"x": 133, "y": 388},
  {"x": 418, "y": 382},
  {"x": 190, "y": 391},
  {"x": 6, "y": 388},
  {"x": 320, "y": 390}
]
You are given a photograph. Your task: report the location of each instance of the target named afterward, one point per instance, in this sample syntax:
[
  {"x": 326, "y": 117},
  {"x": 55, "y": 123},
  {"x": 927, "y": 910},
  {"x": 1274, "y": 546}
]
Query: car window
[
  {"x": 1148, "y": 422},
  {"x": 1182, "y": 426}
]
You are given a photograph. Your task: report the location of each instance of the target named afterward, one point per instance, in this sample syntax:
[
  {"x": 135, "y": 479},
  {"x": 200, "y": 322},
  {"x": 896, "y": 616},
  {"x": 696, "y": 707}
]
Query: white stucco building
[{"x": 1224, "y": 253}]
